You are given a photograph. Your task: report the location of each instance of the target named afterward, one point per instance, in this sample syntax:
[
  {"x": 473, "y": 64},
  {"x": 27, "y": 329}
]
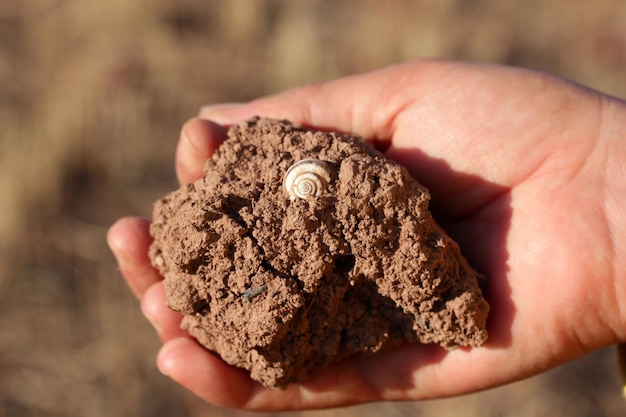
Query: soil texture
[{"x": 280, "y": 285}]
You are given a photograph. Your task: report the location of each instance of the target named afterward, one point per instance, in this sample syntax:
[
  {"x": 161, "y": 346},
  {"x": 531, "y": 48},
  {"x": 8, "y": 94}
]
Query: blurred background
[{"x": 92, "y": 98}]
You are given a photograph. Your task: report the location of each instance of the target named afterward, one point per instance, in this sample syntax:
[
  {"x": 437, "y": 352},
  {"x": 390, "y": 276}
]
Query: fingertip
[
  {"x": 151, "y": 306},
  {"x": 204, "y": 136},
  {"x": 114, "y": 235},
  {"x": 198, "y": 141},
  {"x": 126, "y": 237},
  {"x": 129, "y": 239},
  {"x": 203, "y": 373},
  {"x": 165, "y": 321},
  {"x": 168, "y": 358}
]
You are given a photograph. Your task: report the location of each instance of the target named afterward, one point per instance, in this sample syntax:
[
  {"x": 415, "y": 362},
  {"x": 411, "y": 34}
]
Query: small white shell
[{"x": 307, "y": 178}]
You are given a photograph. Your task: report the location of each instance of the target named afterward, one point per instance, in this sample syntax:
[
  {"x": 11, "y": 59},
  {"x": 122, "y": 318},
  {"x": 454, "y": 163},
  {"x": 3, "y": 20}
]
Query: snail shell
[{"x": 307, "y": 178}]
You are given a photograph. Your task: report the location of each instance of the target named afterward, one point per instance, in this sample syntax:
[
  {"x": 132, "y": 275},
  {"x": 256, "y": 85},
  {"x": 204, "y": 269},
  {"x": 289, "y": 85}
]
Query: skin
[{"x": 526, "y": 172}]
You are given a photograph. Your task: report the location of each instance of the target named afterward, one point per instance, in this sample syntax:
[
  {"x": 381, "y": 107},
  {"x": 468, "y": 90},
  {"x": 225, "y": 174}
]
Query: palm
[{"x": 506, "y": 155}]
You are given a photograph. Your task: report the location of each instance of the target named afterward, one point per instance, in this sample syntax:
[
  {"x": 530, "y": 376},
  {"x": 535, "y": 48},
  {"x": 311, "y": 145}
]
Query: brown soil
[{"x": 280, "y": 286}]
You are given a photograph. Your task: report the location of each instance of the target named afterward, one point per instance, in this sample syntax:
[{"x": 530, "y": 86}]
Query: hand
[{"x": 526, "y": 173}]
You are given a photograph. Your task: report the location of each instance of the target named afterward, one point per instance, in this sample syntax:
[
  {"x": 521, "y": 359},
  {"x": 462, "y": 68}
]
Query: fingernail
[{"x": 221, "y": 113}]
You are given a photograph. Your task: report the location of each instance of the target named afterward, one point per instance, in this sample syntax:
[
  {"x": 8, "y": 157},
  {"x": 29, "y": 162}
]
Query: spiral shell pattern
[{"x": 307, "y": 178}]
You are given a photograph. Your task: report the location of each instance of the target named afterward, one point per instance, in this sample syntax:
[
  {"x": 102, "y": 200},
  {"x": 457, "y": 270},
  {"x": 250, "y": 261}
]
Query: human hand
[{"x": 525, "y": 172}]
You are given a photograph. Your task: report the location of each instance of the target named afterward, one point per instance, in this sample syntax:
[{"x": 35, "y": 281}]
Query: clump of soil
[{"x": 280, "y": 286}]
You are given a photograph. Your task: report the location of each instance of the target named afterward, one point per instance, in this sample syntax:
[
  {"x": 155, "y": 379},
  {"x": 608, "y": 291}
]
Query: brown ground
[{"x": 92, "y": 96}]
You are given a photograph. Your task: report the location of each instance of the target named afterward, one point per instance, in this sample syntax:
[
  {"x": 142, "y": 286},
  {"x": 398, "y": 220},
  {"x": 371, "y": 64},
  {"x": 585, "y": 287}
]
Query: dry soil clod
[{"x": 280, "y": 288}]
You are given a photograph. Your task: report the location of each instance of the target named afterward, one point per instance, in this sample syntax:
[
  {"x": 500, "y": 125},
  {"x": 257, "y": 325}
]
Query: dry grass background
[{"x": 92, "y": 97}]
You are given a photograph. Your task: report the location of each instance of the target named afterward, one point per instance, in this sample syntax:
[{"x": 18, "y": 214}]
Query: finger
[
  {"x": 353, "y": 381},
  {"x": 165, "y": 321},
  {"x": 218, "y": 383},
  {"x": 129, "y": 239},
  {"x": 206, "y": 375},
  {"x": 198, "y": 140},
  {"x": 203, "y": 373},
  {"x": 365, "y": 104},
  {"x": 410, "y": 372}
]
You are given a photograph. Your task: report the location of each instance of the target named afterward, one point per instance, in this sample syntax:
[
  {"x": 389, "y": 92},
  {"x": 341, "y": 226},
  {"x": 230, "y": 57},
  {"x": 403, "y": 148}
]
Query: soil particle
[{"x": 280, "y": 286}]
